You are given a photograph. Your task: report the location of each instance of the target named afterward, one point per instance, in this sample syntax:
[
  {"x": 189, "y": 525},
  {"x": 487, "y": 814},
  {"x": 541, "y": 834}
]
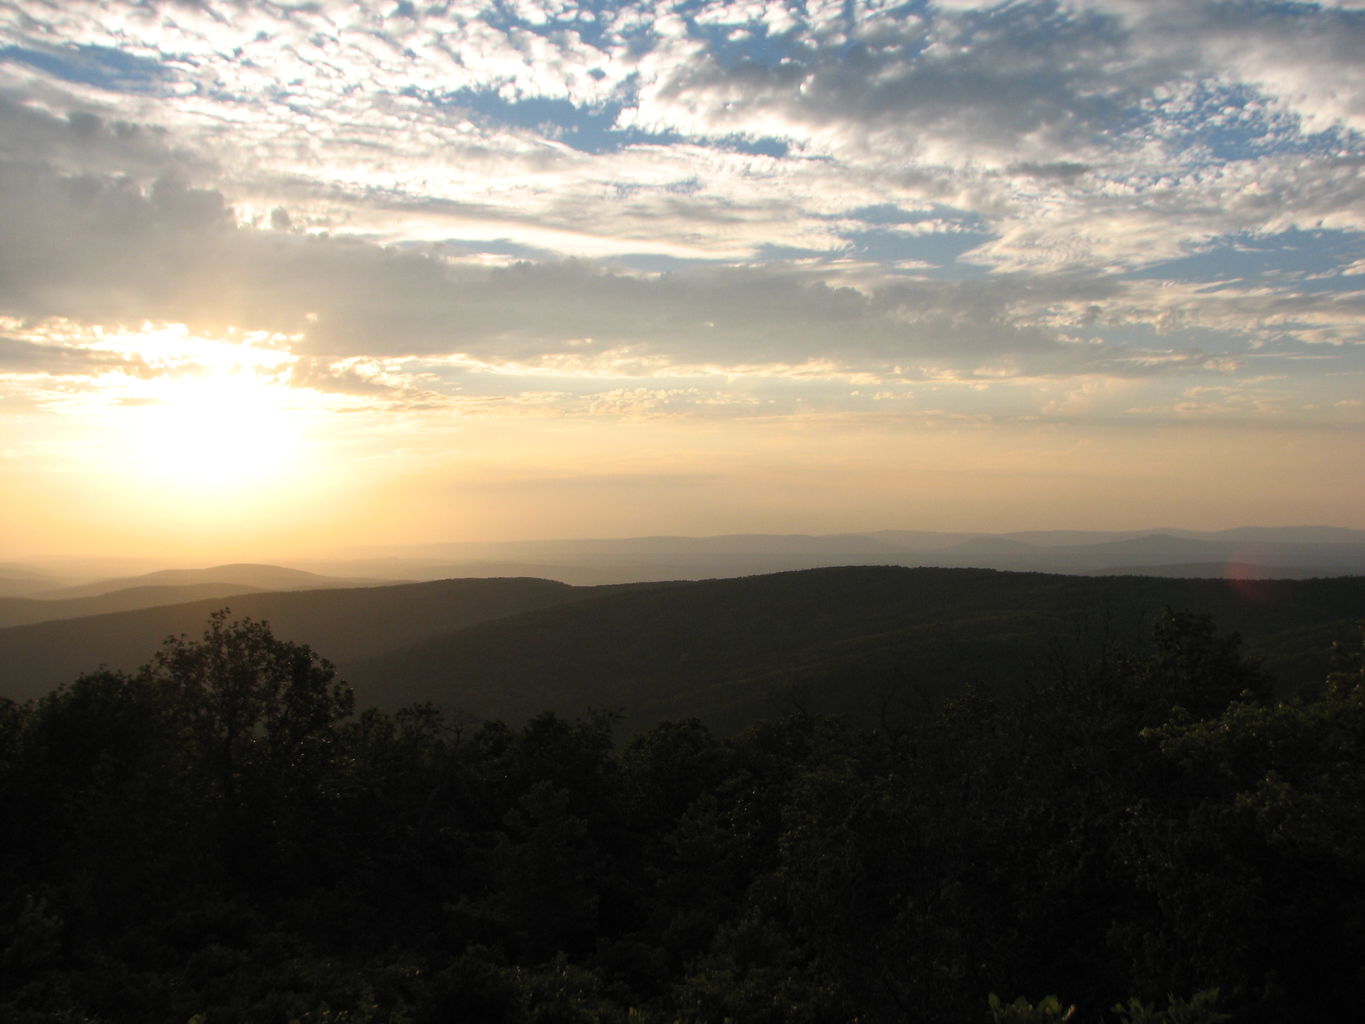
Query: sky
[{"x": 278, "y": 276}]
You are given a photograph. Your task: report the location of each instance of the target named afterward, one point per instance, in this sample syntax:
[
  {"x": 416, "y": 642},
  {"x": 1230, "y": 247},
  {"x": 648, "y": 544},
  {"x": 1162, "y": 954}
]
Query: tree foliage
[
  {"x": 251, "y": 705},
  {"x": 1150, "y": 835}
]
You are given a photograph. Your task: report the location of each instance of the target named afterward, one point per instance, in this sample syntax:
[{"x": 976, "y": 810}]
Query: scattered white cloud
[{"x": 1050, "y": 208}]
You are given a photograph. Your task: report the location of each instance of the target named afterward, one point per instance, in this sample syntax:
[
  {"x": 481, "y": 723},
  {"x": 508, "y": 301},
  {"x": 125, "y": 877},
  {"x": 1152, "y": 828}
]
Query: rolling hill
[
  {"x": 344, "y": 625},
  {"x": 856, "y": 639},
  {"x": 258, "y": 577},
  {"x": 1303, "y": 550},
  {"x": 21, "y": 611},
  {"x": 18, "y": 580}
]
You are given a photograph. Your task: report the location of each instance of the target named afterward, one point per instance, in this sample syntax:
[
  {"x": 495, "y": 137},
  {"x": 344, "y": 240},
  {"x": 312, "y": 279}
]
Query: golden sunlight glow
[
  {"x": 209, "y": 419},
  {"x": 218, "y": 433}
]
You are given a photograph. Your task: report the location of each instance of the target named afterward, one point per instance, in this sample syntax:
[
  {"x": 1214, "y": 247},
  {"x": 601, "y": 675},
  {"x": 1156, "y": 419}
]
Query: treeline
[{"x": 1148, "y": 836}]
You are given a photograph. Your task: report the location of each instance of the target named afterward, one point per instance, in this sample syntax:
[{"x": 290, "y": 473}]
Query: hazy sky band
[{"x": 783, "y": 236}]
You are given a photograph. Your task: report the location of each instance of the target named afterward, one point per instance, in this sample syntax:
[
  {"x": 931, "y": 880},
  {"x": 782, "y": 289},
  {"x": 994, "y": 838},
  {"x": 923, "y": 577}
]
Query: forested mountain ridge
[
  {"x": 350, "y": 624},
  {"x": 837, "y": 640},
  {"x": 21, "y": 611},
  {"x": 1298, "y": 551},
  {"x": 732, "y": 651}
]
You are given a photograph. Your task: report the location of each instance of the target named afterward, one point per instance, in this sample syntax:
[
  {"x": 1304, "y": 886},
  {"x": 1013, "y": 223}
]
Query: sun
[
  {"x": 217, "y": 434},
  {"x": 209, "y": 417}
]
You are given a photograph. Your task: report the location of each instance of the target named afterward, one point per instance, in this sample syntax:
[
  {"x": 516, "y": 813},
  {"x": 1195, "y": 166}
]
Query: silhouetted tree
[{"x": 258, "y": 717}]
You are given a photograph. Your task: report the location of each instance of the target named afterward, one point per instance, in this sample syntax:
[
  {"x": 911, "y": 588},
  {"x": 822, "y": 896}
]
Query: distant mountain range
[
  {"x": 853, "y": 639},
  {"x": 1293, "y": 551},
  {"x": 21, "y": 611},
  {"x": 1268, "y": 552},
  {"x": 22, "y": 579},
  {"x": 44, "y": 602},
  {"x": 257, "y": 577}
]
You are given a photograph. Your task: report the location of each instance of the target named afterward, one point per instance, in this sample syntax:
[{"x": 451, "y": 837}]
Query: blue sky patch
[
  {"x": 100, "y": 66},
  {"x": 1256, "y": 259},
  {"x": 941, "y": 249}
]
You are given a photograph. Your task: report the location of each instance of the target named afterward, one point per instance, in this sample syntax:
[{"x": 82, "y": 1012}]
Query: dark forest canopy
[{"x": 1148, "y": 833}]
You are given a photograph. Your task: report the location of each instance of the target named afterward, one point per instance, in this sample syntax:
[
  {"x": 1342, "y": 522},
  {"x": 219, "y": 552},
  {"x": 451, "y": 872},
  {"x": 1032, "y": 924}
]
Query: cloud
[
  {"x": 86, "y": 140},
  {"x": 355, "y": 377},
  {"x": 994, "y": 84},
  {"x": 104, "y": 250},
  {"x": 970, "y": 192},
  {"x": 23, "y": 357},
  {"x": 1080, "y": 131},
  {"x": 1301, "y": 57}
]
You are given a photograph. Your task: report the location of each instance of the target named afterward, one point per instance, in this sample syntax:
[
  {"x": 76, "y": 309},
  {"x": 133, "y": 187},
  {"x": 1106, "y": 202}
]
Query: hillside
[
  {"x": 21, "y": 611},
  {"x": 1220, "y": 570},
  {"x": 346, "y": 626},
  {"x": 1307, "y": 550},
  {"x": 19, "y": 580},
  {"x": 260, "y": 577},
  {"x": 222, "y": 840},
  {"x": 867, "y": 640},
  {"x": 857, "y": 639}
]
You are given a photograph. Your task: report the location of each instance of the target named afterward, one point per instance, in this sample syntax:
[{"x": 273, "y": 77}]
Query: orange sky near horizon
[
  {"x": 221, "y": 489},
  {"x": 290, "y": 279}
]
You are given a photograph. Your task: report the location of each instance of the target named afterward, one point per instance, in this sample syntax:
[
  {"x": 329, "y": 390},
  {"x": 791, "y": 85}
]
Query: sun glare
[
  {"x": 218, "y": 433},
  {"x": 205, "y": 417},
  {"x": 212, "y": 419}
]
